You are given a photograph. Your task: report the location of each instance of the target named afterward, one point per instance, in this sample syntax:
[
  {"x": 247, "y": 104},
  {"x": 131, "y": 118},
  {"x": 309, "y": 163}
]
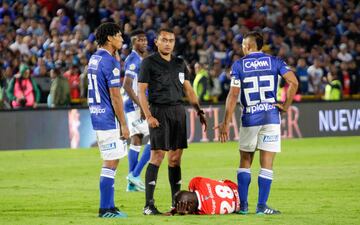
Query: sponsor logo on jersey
[
  {"x": 115, "y": 81},
  {"x": 260, "y": 107},
  {"x": 116, "y": 72},
  {"x": 94, "y": 62},
  {"x": 107, "y": 147},
  {"x": 97, "y": 110},
  {"x": 253, "y": 64},
  {"x": 271, "y": 138},
  {"x": 182, "y": 77}
]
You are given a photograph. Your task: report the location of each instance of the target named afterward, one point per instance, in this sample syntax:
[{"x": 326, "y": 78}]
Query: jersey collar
[
  {"x": 255, "y": 52},
  {"x": 103, "y": 49},
  {"x": 135, "y": 52}
]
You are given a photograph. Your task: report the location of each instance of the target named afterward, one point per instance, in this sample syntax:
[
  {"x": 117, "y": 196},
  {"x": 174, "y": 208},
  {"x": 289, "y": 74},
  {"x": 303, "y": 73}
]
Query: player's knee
[
  {"x": 111, "y": 164},
  {"x": 174, "y": 161},
  {"x": 156, "y": 157},
  {"x": 136, "y": 140}
]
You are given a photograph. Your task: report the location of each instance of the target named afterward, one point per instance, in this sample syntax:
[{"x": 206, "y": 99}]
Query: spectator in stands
[
  {"x": 344, "y": 55},
  {"x": 59, "y": 90},
  {"x": 82, "y": 27},
  {"x": 201, "y": 83},
  {"x": 22, "y": 91},
  {"x": 73, "y": 77},
  {"x": 41, "y": 69},
  {"x": 301, "y": 72},
  {"x": 345, "y": 78},
  {"x": 333, "y": 89},
  {"x": 315, "y": 77},
  {"x": 225, "y": 79}
]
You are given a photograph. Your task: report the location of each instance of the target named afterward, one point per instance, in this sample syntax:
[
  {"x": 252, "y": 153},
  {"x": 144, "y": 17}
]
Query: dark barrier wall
[{"x": 72, "y": 128}]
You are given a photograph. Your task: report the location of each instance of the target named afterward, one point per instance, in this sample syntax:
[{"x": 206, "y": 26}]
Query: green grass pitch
[{"x": 317, "y": 181}]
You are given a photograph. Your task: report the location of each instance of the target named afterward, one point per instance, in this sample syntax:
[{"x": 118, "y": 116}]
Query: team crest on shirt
[
  {"x": 116, "y": 72},
  {"x": 132, "y": 66},
  {"x": 182, "y": 77}
]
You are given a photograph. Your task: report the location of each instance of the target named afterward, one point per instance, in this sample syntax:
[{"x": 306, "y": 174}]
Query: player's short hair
[
  {"x": 135, "y": 33},
  {"x": 105, "y": 30},
  {"x": 168, "y": 30},
  {"x": 257, "y": 36}
]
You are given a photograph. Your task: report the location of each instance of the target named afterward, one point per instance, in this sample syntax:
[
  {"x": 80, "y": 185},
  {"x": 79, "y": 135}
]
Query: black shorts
[{"x": 171, "y": 134}]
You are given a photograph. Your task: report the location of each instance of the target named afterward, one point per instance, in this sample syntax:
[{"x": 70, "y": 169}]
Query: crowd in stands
[{"x": 44, "y": 43}]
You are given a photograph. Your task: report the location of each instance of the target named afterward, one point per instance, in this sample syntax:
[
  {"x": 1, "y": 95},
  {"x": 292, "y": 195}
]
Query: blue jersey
[
  {"x": 103, "y": 73},
  {"x": 257, "y": 76},
  {"x": 132, "y": 68}
]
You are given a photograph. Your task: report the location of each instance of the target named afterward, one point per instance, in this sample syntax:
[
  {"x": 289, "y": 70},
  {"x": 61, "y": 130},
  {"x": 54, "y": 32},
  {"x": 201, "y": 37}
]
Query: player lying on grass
[{"x": 207, "y": 197}]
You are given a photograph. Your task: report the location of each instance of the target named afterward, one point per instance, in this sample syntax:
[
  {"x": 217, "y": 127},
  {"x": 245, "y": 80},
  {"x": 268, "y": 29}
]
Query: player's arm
[
  {"x": 193, "y": 100},
  {"x": 293, "y": 83},
  {"x": 230, "y": 105},
  {"x": 144, "y": 104},
  {"x": 144, "y": 78},
  {"x": 128, "y": 81},
  {"x": 117, "y": 103}
]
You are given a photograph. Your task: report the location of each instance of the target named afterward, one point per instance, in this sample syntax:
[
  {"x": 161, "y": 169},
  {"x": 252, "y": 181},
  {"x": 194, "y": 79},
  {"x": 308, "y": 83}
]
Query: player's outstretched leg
[
  {"x": 133, "y": 161},
  {"x": 264, "y": 182},
  {"x": 134, "y": 177},
  {"x": 107, "y": 207},
  {"x": 244, "y": 179}
]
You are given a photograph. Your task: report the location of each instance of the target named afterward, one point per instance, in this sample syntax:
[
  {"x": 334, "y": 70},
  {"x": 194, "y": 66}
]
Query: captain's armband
[{"x": 235, "y": 82}]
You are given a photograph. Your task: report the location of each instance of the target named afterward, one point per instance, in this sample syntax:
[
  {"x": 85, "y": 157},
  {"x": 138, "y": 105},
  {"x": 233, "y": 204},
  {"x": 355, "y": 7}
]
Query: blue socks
[
  {"x": 264, "y": 182},
  {"x": 244, "y": 179},
  {"x": 107, "y": 178},
  {"x": 133, "y": 156},
  {"x": 143, "y": 160}
]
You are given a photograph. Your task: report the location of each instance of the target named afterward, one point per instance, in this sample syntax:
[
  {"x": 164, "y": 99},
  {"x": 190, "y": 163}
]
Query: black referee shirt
[{"x": 165, "y": 79}]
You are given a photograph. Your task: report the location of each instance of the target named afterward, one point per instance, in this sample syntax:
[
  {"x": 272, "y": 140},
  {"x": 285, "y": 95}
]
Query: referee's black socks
[
  {"x": 175, "y": 181},
  {"x": 150, "y": 183}
]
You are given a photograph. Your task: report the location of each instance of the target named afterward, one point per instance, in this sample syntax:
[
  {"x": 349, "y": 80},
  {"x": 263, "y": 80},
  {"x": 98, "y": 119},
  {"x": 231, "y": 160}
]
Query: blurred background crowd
[{"x": 45, "y": 44}]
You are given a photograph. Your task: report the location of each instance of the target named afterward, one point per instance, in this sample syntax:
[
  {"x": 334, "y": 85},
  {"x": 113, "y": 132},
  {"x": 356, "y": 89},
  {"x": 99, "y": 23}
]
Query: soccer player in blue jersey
[
  {"x": 106, "y": 109},
  {"x": 255, "y": 78},
  {"x": 136, "y": 121}
]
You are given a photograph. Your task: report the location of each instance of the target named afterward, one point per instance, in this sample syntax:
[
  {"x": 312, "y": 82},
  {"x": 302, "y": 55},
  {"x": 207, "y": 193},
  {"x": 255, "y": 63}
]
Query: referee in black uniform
[{"x": 167, "y": 79}]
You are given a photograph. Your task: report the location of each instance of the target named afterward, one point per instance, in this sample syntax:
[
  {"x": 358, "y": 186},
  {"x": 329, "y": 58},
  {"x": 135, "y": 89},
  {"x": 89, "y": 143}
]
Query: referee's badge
[{"x": 182, "y": 77}]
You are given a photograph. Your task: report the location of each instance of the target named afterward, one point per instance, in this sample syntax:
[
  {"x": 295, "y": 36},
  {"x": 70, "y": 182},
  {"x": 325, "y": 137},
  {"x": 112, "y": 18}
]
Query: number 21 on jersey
[{"x": 93, "y": 85}]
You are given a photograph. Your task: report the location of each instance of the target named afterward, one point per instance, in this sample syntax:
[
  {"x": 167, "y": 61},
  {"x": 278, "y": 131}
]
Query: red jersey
[
  {"x": 74, "y": 83},
  {"x": 215, "y": 197}
]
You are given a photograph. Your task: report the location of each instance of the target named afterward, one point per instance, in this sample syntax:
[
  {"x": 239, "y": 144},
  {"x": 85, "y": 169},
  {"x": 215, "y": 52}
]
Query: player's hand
[
  {"x": 224, "y": 132},
  {"x": 202, "y": 118},
  {"x": 181, "y": 208},
  {"x": 142, "y": 115},
  {"x": 153, "y": 122},
  {"x": 124, "y": 132},
  {"x": 171, "y": 212},
  {"x": 281, "y": 107}
]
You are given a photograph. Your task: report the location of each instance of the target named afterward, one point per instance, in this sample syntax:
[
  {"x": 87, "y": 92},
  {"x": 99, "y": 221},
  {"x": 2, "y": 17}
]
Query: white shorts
[
  {"x": 110, "y": 145},
  {"x": 265, "y": 137},
  {"x": 136, "y": 124}
]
